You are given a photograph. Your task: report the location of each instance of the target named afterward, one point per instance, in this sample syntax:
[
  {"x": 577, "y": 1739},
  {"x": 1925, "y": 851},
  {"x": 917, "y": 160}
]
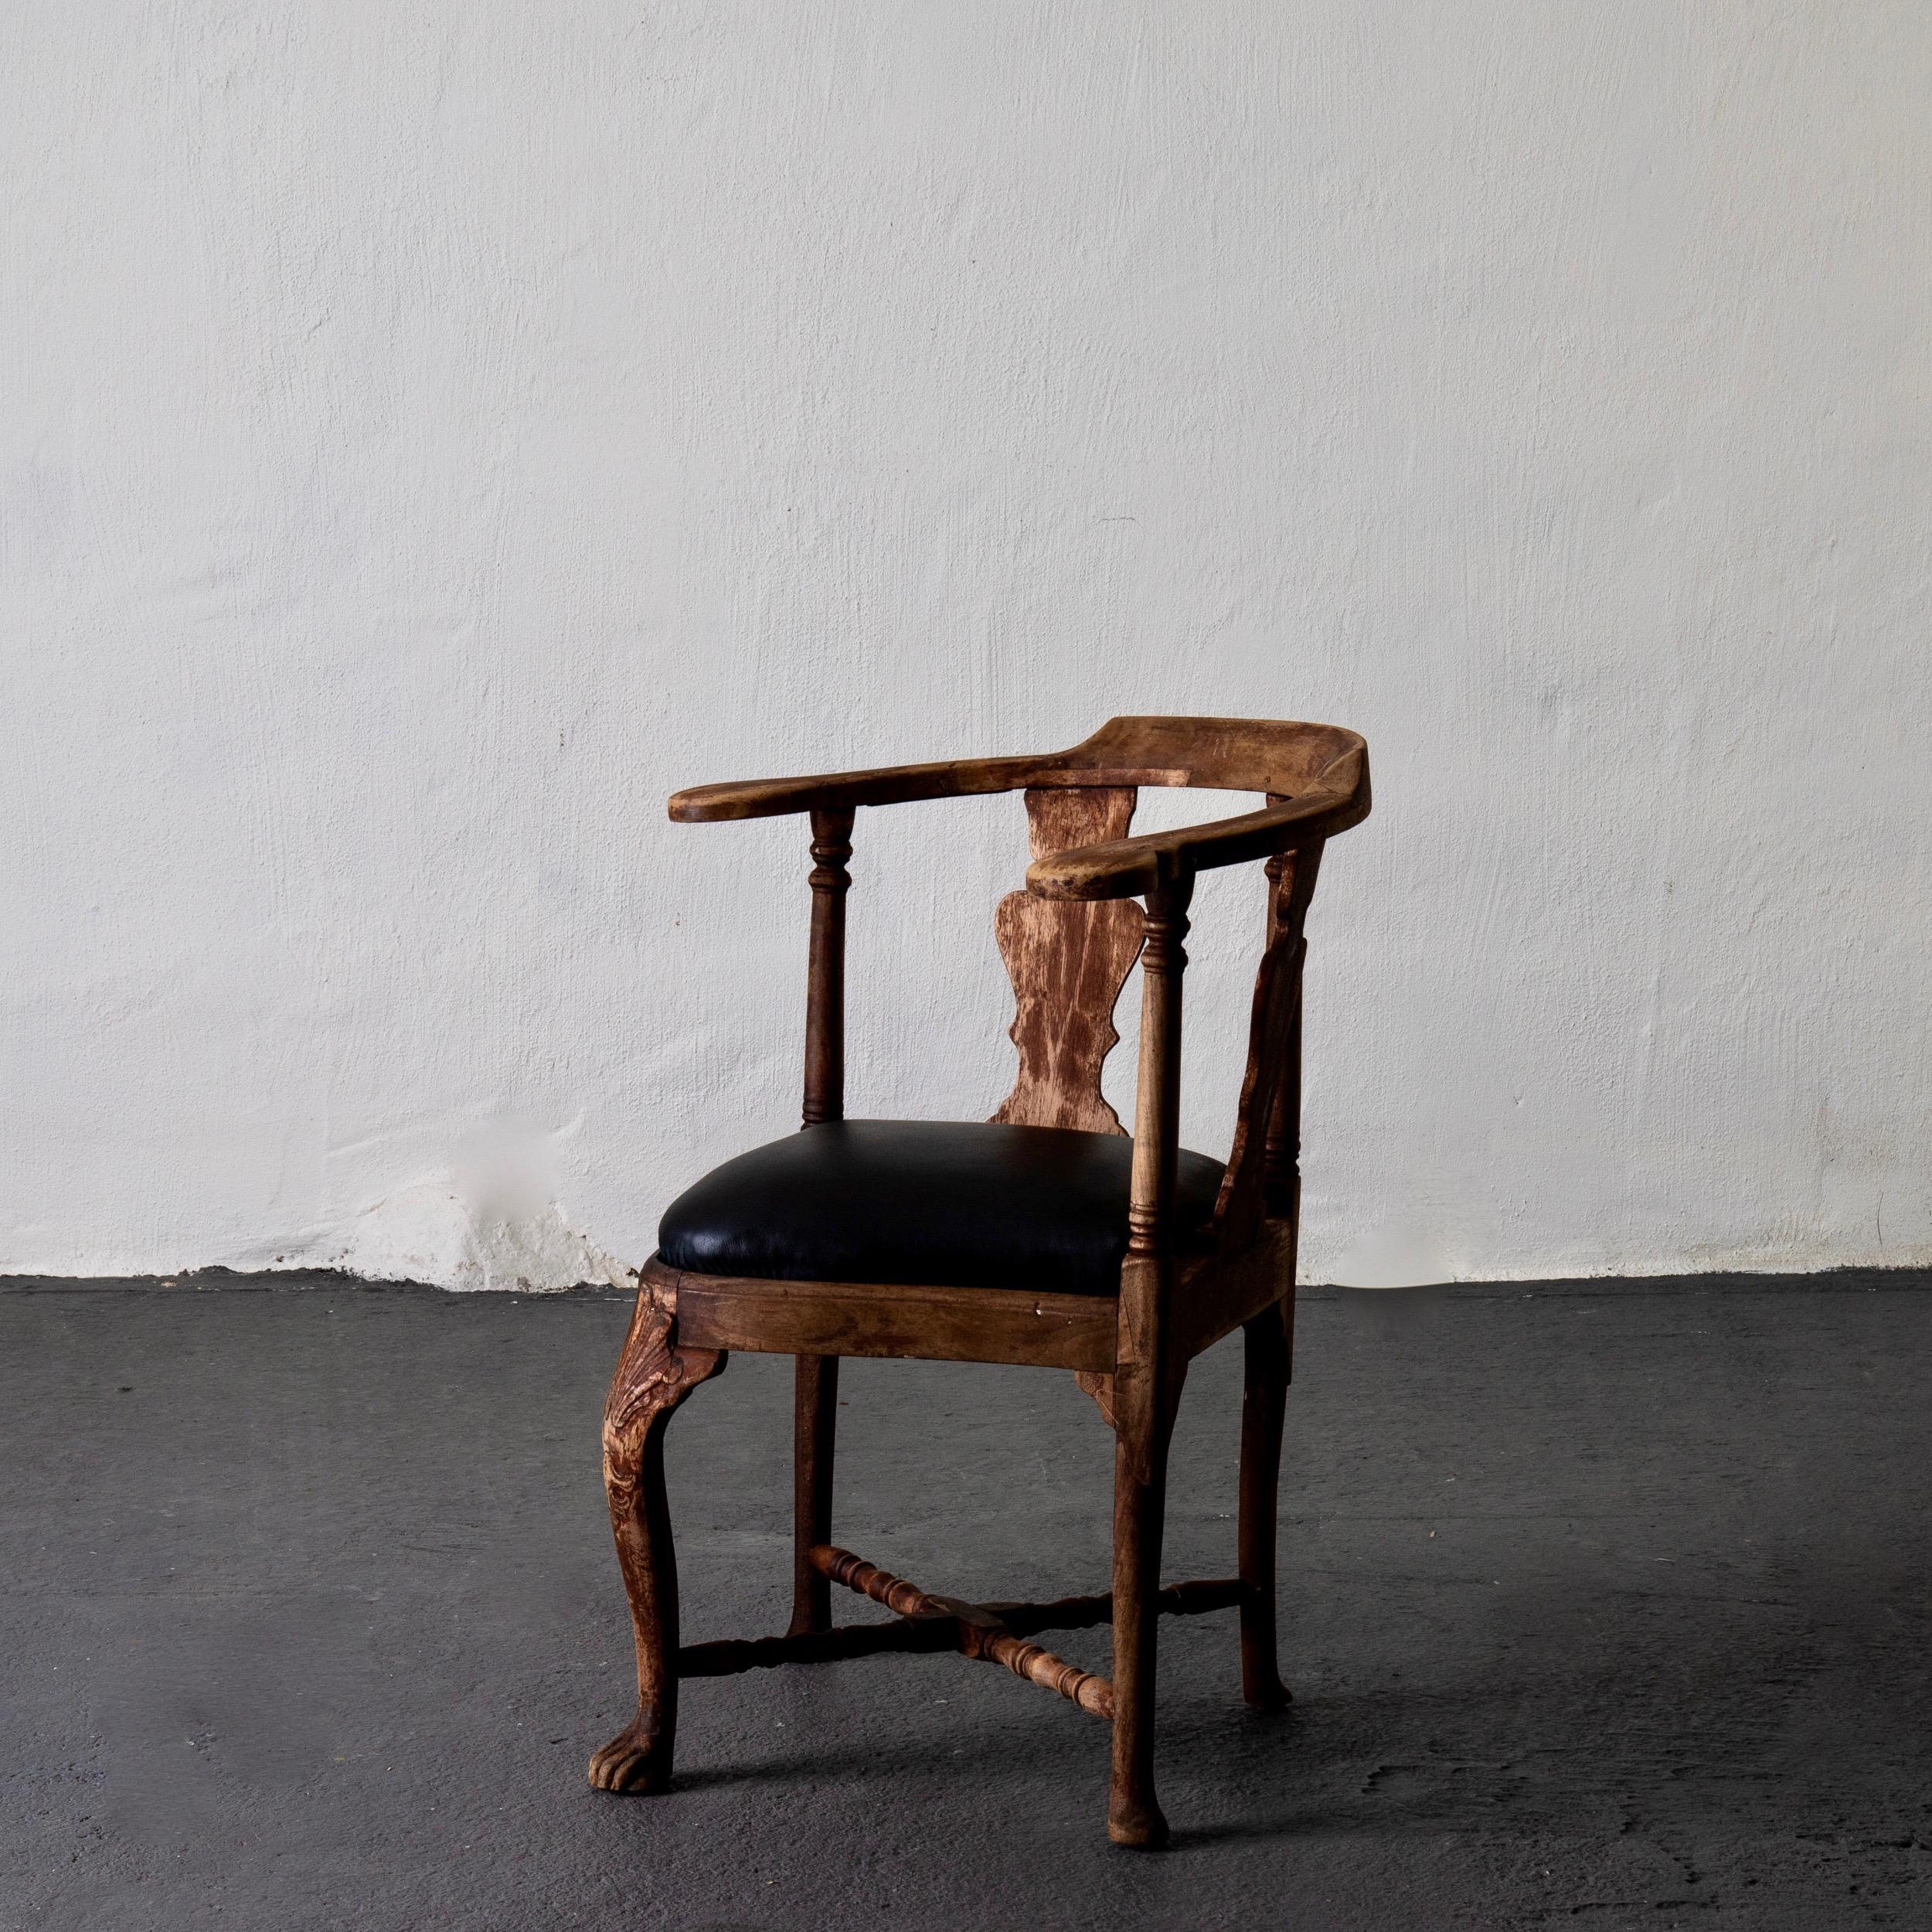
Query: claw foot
[{"x": 633, "y": 1760}]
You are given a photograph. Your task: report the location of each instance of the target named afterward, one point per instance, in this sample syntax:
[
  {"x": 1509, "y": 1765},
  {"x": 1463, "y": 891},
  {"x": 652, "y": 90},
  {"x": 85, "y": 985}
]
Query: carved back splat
[
  {"x": 1068, "y": 960},
  {"x": 1261, "y": 1175}
]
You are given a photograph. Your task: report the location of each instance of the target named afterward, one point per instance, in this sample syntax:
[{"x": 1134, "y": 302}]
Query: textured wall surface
[{"x": 433, "y": 433}]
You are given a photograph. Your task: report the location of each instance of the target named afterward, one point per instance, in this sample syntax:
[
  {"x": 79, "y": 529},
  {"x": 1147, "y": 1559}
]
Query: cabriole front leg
[{"x": 653, "y": 1376}]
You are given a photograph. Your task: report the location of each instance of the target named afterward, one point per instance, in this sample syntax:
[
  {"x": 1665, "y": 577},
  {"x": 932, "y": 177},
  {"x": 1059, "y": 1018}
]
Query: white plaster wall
[{"x": 433, "y": 432}]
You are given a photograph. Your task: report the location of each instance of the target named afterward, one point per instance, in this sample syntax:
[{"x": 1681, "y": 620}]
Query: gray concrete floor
[{"x": 1604, "y": 1604}]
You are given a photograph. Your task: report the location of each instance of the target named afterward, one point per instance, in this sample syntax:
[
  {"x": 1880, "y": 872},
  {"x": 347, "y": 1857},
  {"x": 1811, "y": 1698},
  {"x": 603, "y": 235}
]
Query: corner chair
[{"x": 1046, "y": 1236}]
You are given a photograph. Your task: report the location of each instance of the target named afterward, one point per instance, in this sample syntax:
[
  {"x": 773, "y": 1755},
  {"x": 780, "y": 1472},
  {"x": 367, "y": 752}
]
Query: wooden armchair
[{"x": 1044, "y": 1235}]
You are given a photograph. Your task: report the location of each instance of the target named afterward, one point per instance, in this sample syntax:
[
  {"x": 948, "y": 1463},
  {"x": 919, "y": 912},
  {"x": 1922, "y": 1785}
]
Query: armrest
[
  {"x": 1130, "y": 868},
  {"x": 888, "y": 785}
]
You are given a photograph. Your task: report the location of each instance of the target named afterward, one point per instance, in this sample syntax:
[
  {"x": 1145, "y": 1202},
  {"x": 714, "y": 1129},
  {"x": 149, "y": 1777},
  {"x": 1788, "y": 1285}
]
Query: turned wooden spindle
[
  {"x": 1157, "y": 1104},
  {"x": 855, "y": 1573},
  {"x": 1146, "y": 1373},
  {"x": 825, "y": 970},
  {"x": 937, "y": 1628},
  {"x": 1041, "y": 1666},
  {"x": 815, "y": 1377},
  {"x": 978, "y": 1632}
]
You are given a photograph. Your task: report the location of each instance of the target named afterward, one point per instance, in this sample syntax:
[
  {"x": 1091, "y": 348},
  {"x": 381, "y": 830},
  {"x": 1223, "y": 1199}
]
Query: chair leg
[
  {"x": 814, "y": 1434},
  {"x": 1265, "y": 1397},
  {"x": 653, "y": 1376},
  {"x": 1143, "y": 1423}
]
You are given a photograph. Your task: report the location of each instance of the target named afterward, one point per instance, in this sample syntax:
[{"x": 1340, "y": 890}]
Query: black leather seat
[{"x": 951, "y": 1204}]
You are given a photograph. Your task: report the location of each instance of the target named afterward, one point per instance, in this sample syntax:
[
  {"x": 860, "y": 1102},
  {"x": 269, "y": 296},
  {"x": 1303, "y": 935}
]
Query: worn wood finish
[
  {"x": 1281, "y": 1149},
  {"x": 978, "y": 1633},
  {"x": 654, "y": 1373},
  {"x": 892, "y": 1319},
  {"x": 926, "y": 1629},
  {"x": 1041, "y": 1666},
  {"x": 853, "y": 1573},
  {"x": 1157, "y": 1110},
  {"x": 1143, "y": 1424},
  {"x": 1272, "y": 1078},
  {"x": 1317, "y": 777},
  {"x": 1215, "y": 1294},
  {"x": 1220, "y": 1291},
  {"x": 815, "y": 1395},
  {"x": 1147, "y": 1373},
  {"x": 1069, "y": 941},
  {"x": 936, "y": 1625},
  {"x": 1219, "y": 754},
  {"x": 881, "y": 785},
  {"x": 825, "y": 967},
  {"x": 1134, "y": 867},
  {"x": 1068, "y": 962},
  {"x": 1100, "y": 1386},
  {"x": 1285, "y": 757}
]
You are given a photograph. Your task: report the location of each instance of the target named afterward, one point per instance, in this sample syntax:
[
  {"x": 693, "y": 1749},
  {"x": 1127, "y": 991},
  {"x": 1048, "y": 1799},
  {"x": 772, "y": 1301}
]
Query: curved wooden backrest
[
  {"x": 1072, "y": 937},
  {"x": 1280, "y": 757},
  {"x": 1068, "y": 959}
]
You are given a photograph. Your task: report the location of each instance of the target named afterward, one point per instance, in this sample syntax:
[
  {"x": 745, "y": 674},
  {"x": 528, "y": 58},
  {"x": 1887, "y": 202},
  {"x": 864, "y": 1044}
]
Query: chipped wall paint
[{"x": 433, "y": 433}]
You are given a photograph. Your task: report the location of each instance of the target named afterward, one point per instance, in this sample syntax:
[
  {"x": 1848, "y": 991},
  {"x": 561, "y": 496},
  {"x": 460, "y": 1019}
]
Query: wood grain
[
  {"x": 815, "y": 1383},
  {"x": 1157, "y": 1109},
  {"x": 928, "y": 1631},
  {"x": 1271, "y": 1078},
  {"x": 825, "y": 967},
  {"x": 1134, "y": 867},
  {"x": 1100, "y": 1386},
  {"x": 1221, "y": 1290},
  {"x": 1069, "y": 941},
  {"x": 814, "y": 1438},
  {"x": 888, "y": 1318},
  {"x": 1316, "y": 777},
  {"x": 654, "y": 1373},
  {"x": 1147, "y": 1371},
  {"x": 1068, "y": 961},
  {"x": 978, "y": 1634},
  {"x": 1284, "y": 757}
]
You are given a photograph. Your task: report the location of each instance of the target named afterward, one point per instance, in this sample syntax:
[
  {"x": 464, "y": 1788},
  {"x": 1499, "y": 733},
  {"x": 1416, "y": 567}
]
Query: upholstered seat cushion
[{"x": 950, "y": 1204}]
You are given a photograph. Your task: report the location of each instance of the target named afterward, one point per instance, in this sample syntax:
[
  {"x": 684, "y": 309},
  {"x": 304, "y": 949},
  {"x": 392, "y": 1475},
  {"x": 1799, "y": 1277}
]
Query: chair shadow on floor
[{"x": 1698, "y": 1708}]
